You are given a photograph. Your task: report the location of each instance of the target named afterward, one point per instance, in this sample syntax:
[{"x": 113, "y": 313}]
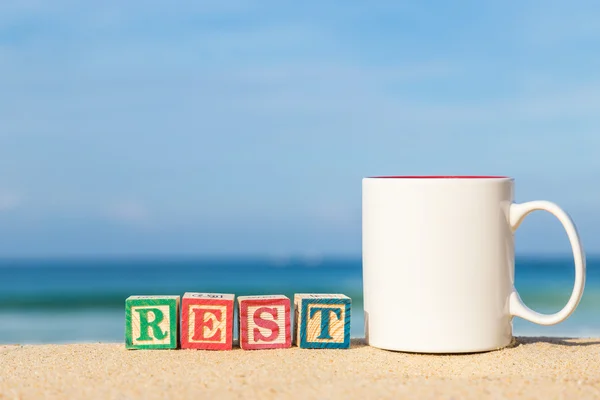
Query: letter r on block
[{"x": 146, "y": 324}]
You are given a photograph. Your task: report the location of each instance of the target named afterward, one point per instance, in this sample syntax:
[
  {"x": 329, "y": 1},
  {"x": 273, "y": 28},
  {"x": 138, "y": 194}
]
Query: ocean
[{"x": 82, "y": 300}]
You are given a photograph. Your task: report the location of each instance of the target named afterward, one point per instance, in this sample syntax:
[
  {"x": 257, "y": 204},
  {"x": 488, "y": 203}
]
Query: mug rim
[{"x": 440, "y": 177}]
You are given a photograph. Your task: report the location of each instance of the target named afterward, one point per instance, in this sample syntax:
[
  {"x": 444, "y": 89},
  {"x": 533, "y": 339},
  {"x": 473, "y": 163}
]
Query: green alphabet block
[{"x": 152, "y": 322}]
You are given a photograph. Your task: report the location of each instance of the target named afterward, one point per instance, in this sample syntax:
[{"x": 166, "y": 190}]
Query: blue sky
[{"x": 245, "y": 127}]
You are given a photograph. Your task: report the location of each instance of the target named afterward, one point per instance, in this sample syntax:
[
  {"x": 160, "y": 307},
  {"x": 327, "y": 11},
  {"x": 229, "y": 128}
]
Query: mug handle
[{"x": 516, "y": 306}]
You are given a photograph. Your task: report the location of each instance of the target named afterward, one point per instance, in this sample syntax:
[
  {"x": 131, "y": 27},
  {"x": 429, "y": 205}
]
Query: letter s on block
[{"x": 267, "y": 324}]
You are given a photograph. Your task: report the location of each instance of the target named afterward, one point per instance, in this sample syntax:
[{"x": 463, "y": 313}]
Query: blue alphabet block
[{"x": 322, "y": 321}]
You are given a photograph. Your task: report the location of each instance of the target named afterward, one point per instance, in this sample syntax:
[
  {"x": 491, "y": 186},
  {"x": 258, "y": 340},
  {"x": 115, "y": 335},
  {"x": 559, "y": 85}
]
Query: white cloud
[
  {"x": 559, "y": 23},
  {"x": 307, "y": 71},
  {"x": 363, "y": 94},
  {"x": 9, "y": 200},
  {"x": 85, "y": 13},
  {"x": 338, "y": 214},
  {"x": 294, "y": 81},
  {"x": 129, "y": 212}
]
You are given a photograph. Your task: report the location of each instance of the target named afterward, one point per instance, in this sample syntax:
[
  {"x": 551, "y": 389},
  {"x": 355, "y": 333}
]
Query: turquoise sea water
[{"x": 82, "y": 300}]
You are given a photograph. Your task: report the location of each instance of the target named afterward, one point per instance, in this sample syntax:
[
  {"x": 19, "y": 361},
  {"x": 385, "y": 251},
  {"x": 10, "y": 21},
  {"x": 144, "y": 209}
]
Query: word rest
[{"x": 206, "y": 321}]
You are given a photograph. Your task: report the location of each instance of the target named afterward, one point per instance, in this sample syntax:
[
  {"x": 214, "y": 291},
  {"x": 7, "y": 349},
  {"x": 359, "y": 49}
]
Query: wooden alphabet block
[
  {"x": 322, "y": 321},
  {"x": 207, "y": 321},
  {"x": 151, "y": 322},
  {"x": 264, "y": 322}
]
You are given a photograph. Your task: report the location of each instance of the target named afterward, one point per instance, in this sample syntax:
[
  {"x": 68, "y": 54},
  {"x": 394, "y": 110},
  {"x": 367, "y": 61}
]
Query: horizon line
[{"x": 261, "y": 255}]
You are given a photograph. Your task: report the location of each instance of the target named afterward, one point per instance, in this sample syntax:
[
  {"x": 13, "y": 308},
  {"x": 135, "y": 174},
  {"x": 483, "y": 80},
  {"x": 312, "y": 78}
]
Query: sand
[{"x": 544, "y": 368}]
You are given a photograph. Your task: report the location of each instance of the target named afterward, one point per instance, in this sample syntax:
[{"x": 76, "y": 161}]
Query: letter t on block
[
  {"x": 322, "y": 321},
  {"x": 264, "y": 322},
  {"x": 151, "y": 322},
  {"x": 207, "y": 321}
]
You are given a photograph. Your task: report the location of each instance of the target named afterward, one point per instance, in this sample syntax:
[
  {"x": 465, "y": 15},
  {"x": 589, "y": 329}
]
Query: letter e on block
[
  {"x": 207, "y": 321},
  {"x": 264, "y": 322},
  {"x": 322, "y": 321},
  {"x": 152, "y": 322}
]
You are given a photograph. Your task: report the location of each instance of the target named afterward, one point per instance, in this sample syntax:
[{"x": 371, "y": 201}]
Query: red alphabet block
[
  {"x": 264, "y": 322},
  {"x": 207, "y": 321}
]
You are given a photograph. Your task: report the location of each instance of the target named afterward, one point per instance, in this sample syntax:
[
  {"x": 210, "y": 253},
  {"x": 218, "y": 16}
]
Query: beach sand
[{"x": 544, "y": 368}]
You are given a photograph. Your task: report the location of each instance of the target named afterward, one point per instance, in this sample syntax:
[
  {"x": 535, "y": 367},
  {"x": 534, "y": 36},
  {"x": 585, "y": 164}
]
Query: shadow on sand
[
  {"x": 517, "y": 342},
  {"x": 560, "y": 341}
]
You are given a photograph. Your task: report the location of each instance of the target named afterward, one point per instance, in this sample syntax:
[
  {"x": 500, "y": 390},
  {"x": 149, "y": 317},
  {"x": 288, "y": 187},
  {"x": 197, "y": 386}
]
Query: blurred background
[{"x": 163, "y": 147}]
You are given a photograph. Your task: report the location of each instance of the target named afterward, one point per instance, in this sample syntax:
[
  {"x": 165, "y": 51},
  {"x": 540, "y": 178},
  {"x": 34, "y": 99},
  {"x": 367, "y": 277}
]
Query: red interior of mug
[{"x": 441, "y": 176}]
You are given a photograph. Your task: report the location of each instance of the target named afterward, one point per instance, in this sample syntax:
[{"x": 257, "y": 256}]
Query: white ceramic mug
[{"x": 438, "y": 263}]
